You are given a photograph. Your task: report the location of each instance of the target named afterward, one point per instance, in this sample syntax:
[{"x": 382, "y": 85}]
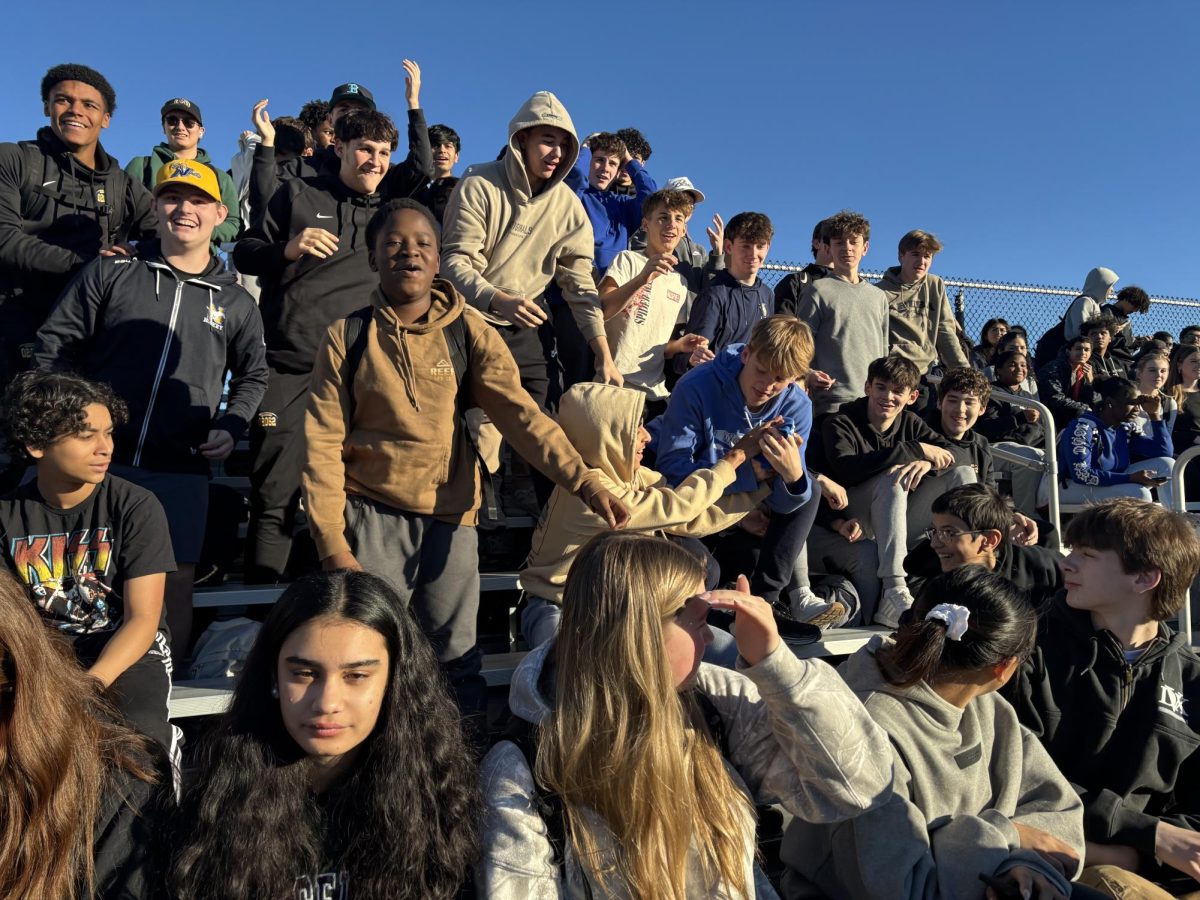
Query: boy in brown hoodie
[{"x": 390, "y": 481}]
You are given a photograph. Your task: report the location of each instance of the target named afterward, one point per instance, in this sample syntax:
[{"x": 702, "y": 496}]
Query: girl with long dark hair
[
  {"x": 340, "y": 769},
  {"x": 75, "y": 786}
]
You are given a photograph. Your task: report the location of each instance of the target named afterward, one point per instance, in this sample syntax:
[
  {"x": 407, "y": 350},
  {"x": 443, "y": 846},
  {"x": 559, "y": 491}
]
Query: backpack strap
[
  {"x": 457, "y": 339},
  {"x": 110, "y": 213},
  {"x": 354, "y": 336}
]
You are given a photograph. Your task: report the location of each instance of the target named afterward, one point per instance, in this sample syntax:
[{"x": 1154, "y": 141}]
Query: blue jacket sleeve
[
  {"x": 644, "y": 185},
  {"x": 787, "y": 498},
  {"x": 686, "y": 443},
  {"x": 1078, "y": 447},
  {"x": 577, "y": 178},
  {"x": 1158, "y": 444}
]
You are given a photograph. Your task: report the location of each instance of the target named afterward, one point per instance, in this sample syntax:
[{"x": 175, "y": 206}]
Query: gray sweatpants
[
  {"x": 895, "y": 517},
  {"x": 434, "y": 566}
]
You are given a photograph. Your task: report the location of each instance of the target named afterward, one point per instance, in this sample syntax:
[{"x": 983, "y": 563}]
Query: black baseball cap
[
  {"x": 352, "y": 92},
  {"x": 180, "y": 104}
]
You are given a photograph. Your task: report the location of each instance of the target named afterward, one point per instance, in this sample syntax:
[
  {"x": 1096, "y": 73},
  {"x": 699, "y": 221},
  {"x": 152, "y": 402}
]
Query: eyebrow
[{"x": 360, "y": 664}]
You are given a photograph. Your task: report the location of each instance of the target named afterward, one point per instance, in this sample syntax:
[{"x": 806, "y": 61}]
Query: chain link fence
[{"x": 1037, "y": 307}]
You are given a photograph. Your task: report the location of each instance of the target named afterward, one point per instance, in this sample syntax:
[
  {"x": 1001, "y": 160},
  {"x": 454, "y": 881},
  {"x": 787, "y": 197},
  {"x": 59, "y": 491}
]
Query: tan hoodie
[
  {"x": 602, "y": 422},
  {"x": 405, "y": 446},
  {"x": 498, "y": 234}
]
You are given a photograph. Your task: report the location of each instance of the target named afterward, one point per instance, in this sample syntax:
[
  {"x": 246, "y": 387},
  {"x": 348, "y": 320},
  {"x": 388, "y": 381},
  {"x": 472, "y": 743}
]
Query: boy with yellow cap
[{"x": 162, "y": 329}]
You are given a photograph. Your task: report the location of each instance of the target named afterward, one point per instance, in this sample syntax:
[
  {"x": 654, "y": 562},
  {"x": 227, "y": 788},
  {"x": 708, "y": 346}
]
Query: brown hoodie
[
  {"x": 602, "y": 422},
  {"x": 405, "y": 446},
  {"x": 498, "y": 234}
]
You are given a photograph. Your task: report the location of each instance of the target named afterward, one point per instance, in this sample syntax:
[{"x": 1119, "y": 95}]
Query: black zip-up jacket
[
  {"x": 1033, "y": 569},
  {"x": 300, "y": 299},
  {"x": 1126, "y": 735},
  {"x": 55, "y": 215},
  {"x": 855, "y": 452},
  {"x": 1054, "y": 390},
  {"x": 406, "y": 178},
  {"x": 164, "y": 345},
  {"x": 267, "y": 172},
  {"x": 789, "y": 288}
]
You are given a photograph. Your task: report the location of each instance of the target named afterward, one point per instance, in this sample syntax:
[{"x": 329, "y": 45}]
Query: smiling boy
[
  {"x": 390, "y": 478},
  {"x": 163, "y": 329}
]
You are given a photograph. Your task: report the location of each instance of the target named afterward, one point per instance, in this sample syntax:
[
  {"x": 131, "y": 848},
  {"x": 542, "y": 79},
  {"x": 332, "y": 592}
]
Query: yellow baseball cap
[{"x": 188, "y": 171}]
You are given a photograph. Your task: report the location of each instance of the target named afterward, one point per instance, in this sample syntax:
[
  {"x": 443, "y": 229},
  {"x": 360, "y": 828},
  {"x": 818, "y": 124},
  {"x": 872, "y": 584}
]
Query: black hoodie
[
  {"x": 55, "y": 215},
  {"x": 1127, "y": 735},
  {"x": 164, "y": 345},
  {"x": 1033, "y": 569}
]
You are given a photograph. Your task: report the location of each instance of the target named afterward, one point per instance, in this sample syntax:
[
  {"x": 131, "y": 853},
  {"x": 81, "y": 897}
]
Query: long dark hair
[
  {"x": 405, "y": 819},
  {"x": 61, "y": 754},
  {"x": 1002, "y": 624}
]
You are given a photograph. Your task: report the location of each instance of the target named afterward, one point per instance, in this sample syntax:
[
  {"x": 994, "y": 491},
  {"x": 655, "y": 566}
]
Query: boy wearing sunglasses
[{"x": 183, "y": 126}]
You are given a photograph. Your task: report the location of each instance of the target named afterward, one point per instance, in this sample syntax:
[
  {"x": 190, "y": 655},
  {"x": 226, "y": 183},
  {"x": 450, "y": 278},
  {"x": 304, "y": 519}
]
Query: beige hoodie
[
  {"x": 499, "y": 235},
  {"x": 404, "y": 446},
  {"x": 602, "y": 421}
]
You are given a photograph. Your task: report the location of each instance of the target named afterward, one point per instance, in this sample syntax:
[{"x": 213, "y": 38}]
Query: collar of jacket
[{"x": 53, "y": 145}]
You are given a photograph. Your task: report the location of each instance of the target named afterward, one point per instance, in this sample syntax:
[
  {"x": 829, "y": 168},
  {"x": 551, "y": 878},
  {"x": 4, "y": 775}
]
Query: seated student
[
  {"x": 91, "y": 549},
  {"x": 1150, "y": 372},
  {"x": 735, "y": 300},
  {"x": 1166, "y": 337},
  {"x": 614, "y": 217},
  {"x": 1013, "y": 340},
  {"x": 1183, "y": 385},
  {"x": 164, "y": 330},
  {"x": 1065, "y": 386},
  {"x": 1015, "y": 429},
  {"x": 882, "y": 452},
  {"x": 715, "y": 405},
  {"x": 920, "y": 320},
  {"x": 847, "y": 314},
  {"x": 644, "y": 297},
  {"x": 972, "y": 526},
  {"x": 1101, "y": 329},
  {"x": 790, "y": 288},
  {"x": 339, "y": 687},
  {"x": 1129, "y": 300},
  {"x": 686, "y": 749},
  {"x": 1102, "y": 455},
  {"x": 603, "y": 422},
  {"x": 390, "y": 482},
  {"x": 975, "y": 796},
  {"x": 78, "y": 787},
  {"x": 1112, "y": 693},
  {"x": 1190, "y": 334},
  {"x": 962, "y": 395},
  {"x": 989, "y": 337}
]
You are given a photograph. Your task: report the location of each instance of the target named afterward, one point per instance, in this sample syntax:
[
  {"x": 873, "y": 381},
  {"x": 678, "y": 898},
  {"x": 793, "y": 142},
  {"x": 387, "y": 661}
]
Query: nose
[
  {"x": 326, "y": 696},
  {"x": 106, "y": 445}
]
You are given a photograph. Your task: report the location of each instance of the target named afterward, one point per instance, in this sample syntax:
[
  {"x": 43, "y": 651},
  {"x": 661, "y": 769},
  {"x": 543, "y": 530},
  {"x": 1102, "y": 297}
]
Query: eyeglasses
[
  {"x": 693, "y": 615},
  {"x": 945, "y": 535},
  {"x": 187, "y": 122}
]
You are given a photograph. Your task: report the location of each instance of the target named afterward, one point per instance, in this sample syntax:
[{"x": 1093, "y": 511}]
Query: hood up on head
[
  {"x": 601, "y": 421},
  {"x": 543, "y": 108},
  {"x": 1098, "y": 283}
]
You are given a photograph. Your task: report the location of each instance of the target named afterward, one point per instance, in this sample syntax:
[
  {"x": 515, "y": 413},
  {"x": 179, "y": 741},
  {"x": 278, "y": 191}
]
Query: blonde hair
[
  {"x": 624, "y": 743},
  {"x": 783, "y": 345}
]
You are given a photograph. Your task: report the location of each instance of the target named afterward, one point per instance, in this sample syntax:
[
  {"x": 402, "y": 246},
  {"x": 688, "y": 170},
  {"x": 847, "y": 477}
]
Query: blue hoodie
[
  {"x": 1091, "y": 453},
  {"x": 707, "y": 415},
  {"x": 615, "y": 217}
]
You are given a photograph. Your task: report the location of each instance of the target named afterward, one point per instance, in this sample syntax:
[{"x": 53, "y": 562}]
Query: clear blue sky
[{"x": 1037, "y": 139}]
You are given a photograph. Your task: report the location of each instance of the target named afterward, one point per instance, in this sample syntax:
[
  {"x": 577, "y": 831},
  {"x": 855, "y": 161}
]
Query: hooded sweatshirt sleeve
[
  {"x": 412, "y": 173},
  {"x": 573, "y": 273},
  {"x": 247, "y": 361},
  {"x": 949, "y": 350},
  {"x": 1079, "y": 449},
  {"x": 464, "y": 233},
  {"x": 686, "y": 442},
  {"x": 496, "y": 388},
  {"x": 1159, "y": 442},
  {"x": 260, "y": 252},
  {"x": 21, "y": 252},
  {"x": 73, "y": 320},
  {"x": 1080, "y": 310},
  {"x": 326, "y": 424}
]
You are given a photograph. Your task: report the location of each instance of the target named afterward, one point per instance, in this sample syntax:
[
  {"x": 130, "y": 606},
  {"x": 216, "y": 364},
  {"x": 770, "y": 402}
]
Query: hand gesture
[
  {"x": 688, "y": 343},
  {"x": 605, "y": 504},
  {"x": 261, "y": 120},
  {"x": 753, "y": 621},
  {"x": 658, "y": 264},
  {"x": 311, "y": 242},
  {"x": 520, "y": 311},
  {"x": 835, "y": 494},
  {"x": 716, "y": 234},
  {"x": 850, "y": 529},
  {"x": 819, "y": 381},
  {"x": 783, "y": 453},
  {"x": 1023, "y": 531},
  {"x": 218, "y": 446},
  {"x": 908, "y": 475},
  {"x": 1145, "y": 478},
  {"x": 1152, "y": 404},
  {"x": 1032, "y": 415},
  {"x": 937, "y": 457},
  {"x": 701, "y": 355},
  {"x": 1087, "y": 373},
  {"x": 412, "y": 83}
]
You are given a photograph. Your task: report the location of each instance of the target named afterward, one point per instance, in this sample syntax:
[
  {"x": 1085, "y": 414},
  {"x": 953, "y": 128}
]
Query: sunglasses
[{"x": 187, "y": 122}]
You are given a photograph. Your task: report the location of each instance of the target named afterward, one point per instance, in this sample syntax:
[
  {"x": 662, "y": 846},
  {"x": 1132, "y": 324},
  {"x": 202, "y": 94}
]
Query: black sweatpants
[{"x": 535, "y": 352}]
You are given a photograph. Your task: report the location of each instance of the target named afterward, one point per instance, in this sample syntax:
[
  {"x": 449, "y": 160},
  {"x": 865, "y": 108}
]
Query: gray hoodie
[
  {"x": 1086, "y": 306},
  {"x": 796, "y": 735},
  {"x": 963, "y": 776},
  {"x": 920, "y": 321}
]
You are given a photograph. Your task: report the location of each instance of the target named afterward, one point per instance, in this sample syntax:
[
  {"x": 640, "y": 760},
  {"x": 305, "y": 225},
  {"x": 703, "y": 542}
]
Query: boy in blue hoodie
[
  {"x": 614, "y": 217},
  {"x": 1095, "y": 451},
  {"x": 716, "y": 404}
]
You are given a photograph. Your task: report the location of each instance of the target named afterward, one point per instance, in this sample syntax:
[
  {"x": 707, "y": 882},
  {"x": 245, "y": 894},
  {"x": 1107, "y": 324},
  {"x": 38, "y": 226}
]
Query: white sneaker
[
  {"x": 804, "y": 602},
  {"x": 892, "y": 604}
]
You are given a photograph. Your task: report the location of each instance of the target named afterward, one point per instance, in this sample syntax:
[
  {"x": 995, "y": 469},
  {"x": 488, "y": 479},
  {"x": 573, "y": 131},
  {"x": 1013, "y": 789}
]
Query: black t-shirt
[{"x": 75, "y": 561}]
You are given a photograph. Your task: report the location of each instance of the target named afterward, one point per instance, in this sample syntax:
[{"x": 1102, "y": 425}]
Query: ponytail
[{"x": 967, "y": 620}]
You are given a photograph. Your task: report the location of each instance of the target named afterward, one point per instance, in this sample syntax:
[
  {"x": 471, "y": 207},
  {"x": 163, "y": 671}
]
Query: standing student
[
  {"x": 686, "y": 748},
  {"x": 340, "y": 769},
  {"x": 1097, "y": 288},
  {"x": 446, "y": 146},
  {"x": 91, "y": 549},
  {"x": 63, "y": 201},
  {"x": 78, "y": 786},
  {"x": 790, "y": 288},
  {"x": 390, "y": 479},
  {"x": 614, "y": 217},
  {"x": 163, "y": 330}
]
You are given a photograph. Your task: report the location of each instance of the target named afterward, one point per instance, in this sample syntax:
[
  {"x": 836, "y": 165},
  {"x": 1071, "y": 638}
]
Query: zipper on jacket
[
  {"x": 1126, "y": 686},
  {"x": 162, "y": 365}
]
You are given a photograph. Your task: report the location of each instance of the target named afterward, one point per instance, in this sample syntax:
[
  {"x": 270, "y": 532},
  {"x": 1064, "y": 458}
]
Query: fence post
[{"x": 960, "y": 308}]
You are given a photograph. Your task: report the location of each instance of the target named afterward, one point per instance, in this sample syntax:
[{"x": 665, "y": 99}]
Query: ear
[
  {"x": 866, "y": 247},
  {"x": 912, "y": 398},
  {"x": 727, "y": 246},
  {"x": 1005, "y": 669},
  {"x": 337, "y": 147},
  {"x": 223, "y": 213},
  {"x": 991, "y": 539},
  {"x": 35, "y": 452},
  {"x": 745, "y": 354},
  {"x": 371, "y": 259},
  {"x": 1145, "y": 582}
]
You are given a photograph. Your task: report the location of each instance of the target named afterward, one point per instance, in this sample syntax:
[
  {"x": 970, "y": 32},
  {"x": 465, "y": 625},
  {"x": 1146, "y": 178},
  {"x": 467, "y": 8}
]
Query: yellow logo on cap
[{"x": 183, "y": 170}]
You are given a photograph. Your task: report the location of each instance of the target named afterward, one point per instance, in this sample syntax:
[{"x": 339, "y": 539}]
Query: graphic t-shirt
[
  {"x": 638, "y": 334},
  {"x": 326, "y": 886},
  {"x": 75, "y": 562}
]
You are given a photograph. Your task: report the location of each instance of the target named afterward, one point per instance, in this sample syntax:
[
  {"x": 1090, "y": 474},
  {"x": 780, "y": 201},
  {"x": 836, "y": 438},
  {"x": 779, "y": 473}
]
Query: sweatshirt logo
[
  {"x": 63, "y": 573},
  {"x": 215, "y": 319},
  {"x": 100, "y": 195},
  {"x": 443, "y": 369},
  {"x": 523, "y": 230},
  {"x": 268, "y": 420},
  {"x": 1171, "y": 702}
]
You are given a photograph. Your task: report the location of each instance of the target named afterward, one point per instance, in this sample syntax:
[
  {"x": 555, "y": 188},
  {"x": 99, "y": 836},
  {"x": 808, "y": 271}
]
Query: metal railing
[
  {"x": 1049, "y": 465},
  {"x": 1179, "y": 497}
]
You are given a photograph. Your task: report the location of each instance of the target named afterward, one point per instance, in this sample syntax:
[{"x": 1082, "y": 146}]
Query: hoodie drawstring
[{"x": 407, "y": 373}]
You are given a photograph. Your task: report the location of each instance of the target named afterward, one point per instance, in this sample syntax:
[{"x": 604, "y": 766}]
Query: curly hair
[
  {"x": 77, "y": 72},
  {"x": 40, "y": 408},
  {"x": 1136, "y": 297},
  {"x": 313, "y": 114},
  {"x": 404, "y": 820},
  {"x": 672, "y": 201},
  {"x": 846, "y": 224},
  {"x": 636, "y": 143},
  {"x": 755, "y": 227},
  {"x": 607, "y": 143},
  {"x": 965, "y": 380}
]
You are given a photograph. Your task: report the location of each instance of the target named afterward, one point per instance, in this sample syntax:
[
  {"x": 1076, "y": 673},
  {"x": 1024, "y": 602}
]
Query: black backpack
[
  {"x": 354, "y": 335},
  {"x": 110, "y": 214}
]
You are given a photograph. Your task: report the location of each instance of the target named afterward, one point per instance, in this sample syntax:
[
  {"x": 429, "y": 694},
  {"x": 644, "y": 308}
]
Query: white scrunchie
[{"x": 954, "y": 616}]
